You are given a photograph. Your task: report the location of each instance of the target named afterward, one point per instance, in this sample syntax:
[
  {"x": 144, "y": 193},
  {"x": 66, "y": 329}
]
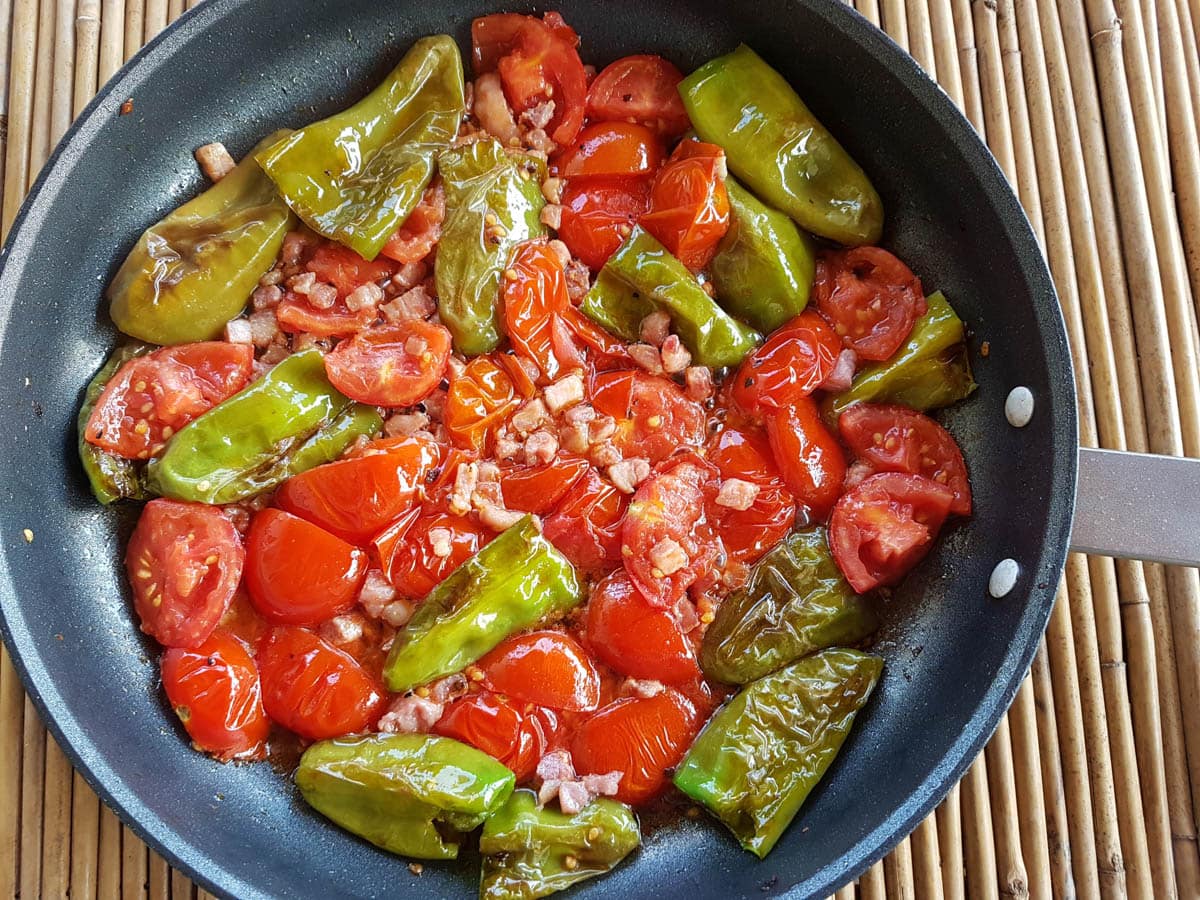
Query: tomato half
[
  {"x": 611, "y": 149},
  {"x": 416, "y": 237},
  {"x": 793, "y": 362},
  {"x": 153, "y": 396},
  {"x": 871, "y": 297},
  {"x": 390, "y": 365},
  {"x": 297, "y": 573},
  {"x": 809, "y": 456},
  {"x": 689, "y": 206},
  {"x": 635, "y": 638},
  {"x": 747, "y": 534},
  {"x": 314, "y": 689},
  {"x": 342, "y": 267},
  {"x": 296, "y": 315},
  {"x": 184, "y": 563},
  {"x": 598, "y": 215},
  {"x": 548, "y": 668},
  {"x": 654, "y": 416},
  {"x": 642, "y": 88},
  {"x": 479, "y": 400},
  {"x": 586, "y": 528},
  {"x": 540, "y": 489},
  {"x": 899, "y": 439},
  {"x": 407, "y": 550},
  {"x": 214, "y": 689},
  {"x": 485, "y": 721},
  {"x": 885, "y": 525}
]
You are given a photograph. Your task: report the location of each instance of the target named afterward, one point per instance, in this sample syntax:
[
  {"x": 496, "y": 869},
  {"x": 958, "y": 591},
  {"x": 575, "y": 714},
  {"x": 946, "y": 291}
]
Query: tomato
[
  {"x": 808, "y": 455},
  {"x": 586, "y": 528},
  {"x": 795, "y": 360},
  {"x": 640, "y": 737},
  {"x": 479, "y": 401},
  {"x": 654, "y": 416},
  {"x": 871, "y": 297},
  {"x": 296, "y": 315},
  {"x": 540, "y": 489},
  {"x": 342, "y": 267},
  {"x": 899, "y": 439},
  {"x": 611, "y": 149},
  {"x": 635, "y": 638},
  {"x": 689, "y": 206},
  {"x": 407, "y": 550},
  {"x": 885, "y": 525},
  {"x": 547, "y": 668},
  {"x": 214, "y": 689},
  {"x": 297, "y": 573},
  {"x": 643, "y": 89},
  {"x": 598, "y": 215},
  {"x": 485, "y": 721},
  {"x": 420, "y": 232},
  {"x": 749, "y": 533},
  {"x": 153, "y": 396},
  {"x": 355, "y": 498},
  {"x": 390, "y": 365},
  {"x": 314, "y": 689},
  {"x": 184, "y": 563}
]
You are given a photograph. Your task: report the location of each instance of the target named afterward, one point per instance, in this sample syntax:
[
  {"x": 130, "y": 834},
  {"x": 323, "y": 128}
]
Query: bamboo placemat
[{"x": 1086, "y": 789}]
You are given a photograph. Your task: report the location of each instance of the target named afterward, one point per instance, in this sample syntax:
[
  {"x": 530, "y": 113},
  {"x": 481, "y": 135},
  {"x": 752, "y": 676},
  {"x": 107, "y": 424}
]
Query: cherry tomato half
[
  {"x": 747, "y": 534},
  {"x": 296, "y": 315},
  {"x": 808, "y": 455},
  {"x": 598, "y": 215},
  {"x": 540, "y": 489},
  {"x": 654, "y": 416},
  {"x": 635, "y": 638},
  {"x": 416, "y": 237},
  {"x": 871, "y": 297},
  {"x": 410, "y": 556},
  {"x": 478, "y": 402},
  {"x": 390, "y": 365},
  {"x": 548, "y": 668},
  {"x": 642, "y": 88},
  {"x": 795, "y": 360},
  {"x": 611, "y": 149},
  {"x": 342, "y": 267},
  {"x": 586, "y": 528},
  {"x": 516, "y": 738},
  {"x": 689, "y": 206}
]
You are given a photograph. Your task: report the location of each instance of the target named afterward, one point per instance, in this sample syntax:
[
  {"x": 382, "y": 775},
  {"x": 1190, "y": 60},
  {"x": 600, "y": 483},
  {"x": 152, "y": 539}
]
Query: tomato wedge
[
  {"x": 745, "y": 454},
  {"x": 416, "y": 237},
  {"x": 654, "y": 416},
  {"x": 485, "y": 721},
  {"x": 342, "y": 267},
  {"x": 689, "y": 206},
  {"x": 809, "y": 456},
  {"x": 611, "y": 149},
  {"x": 635, "y": 638},
  {"x": 184, "y": 563},
  {"x": 548, "y": 668},
  {"x": 586, "y": 527},
  {"x": 871, "y": 297},
  {"x": 795, "y": 361},
  {"x": 390, "y": 365},
  {"x": 410, "y": 556},
  {"x": 540, "y": 489},
  {"x": 296, "y": 315},
  {"x": 479, "y": 400},
  {"x": 598, "y": 215},
  {"x": 642, "y": 88}
]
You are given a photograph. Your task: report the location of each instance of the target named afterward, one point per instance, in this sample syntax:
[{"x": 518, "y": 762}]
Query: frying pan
[{"x": 233, "y": 70}]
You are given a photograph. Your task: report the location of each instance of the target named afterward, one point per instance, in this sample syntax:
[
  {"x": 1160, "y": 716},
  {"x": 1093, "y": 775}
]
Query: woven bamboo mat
[{"x": 1090, "y": 107}]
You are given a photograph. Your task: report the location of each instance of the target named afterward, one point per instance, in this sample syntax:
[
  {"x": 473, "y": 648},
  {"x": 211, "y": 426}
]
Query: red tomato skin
[
  {"x": 406, "y": 551},
  {"x": 540, "y": 489},
  {"x": 689, "y": 206},
  {"x": 488, "y": 723},
  {"x": 598, "y": 214},
  {"x": 421, "y": 230},
  {"x": 586, "y": 527},
  {"x": 654, "y": 416},
  {"x": 871, "y": 298},
  {"x": 391, "y": 365},
  {"x": 314, "y": 689},
  {"x": 298, "y": 573},
  {"x": 749, "y": 533},
  {"x": 635, "y": 638},
  {"x": 642, "y": 88},
  {"x": 215, "y": 691},
  {"x": 546, "y": 668},
  {"x": 537, "y": 61},
  {"x": 611, "y": 150},
  {"x": 342, "y": 267},
  {"x": 793, "y": 362},
  {"x": 296, "y": 315},
  {"x": 809, "y": 456},
  {"x": 178, "y": 594},
  {"x": 479, "y": 400}
]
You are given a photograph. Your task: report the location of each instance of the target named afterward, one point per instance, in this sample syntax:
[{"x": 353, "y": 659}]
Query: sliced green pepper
[
  {"x": 778, "y": 148},
  {"x": 356, "y": 176},
  {"x": 512, "y": 583},
  {"x": 493, "y": 202},
  {"x": 111, "y": 477},
  {"x": 289, "y": 420},
  {"x": 530, "y": 852},
  {"x": 759, "y": 757},
  {"x": 643, "y": 276},
  {"x": 413, "y": 794},
  {"x": 194, "y": 271},
  {"x": 795, "y": 602},
  {"x": 930, "y": 371}
]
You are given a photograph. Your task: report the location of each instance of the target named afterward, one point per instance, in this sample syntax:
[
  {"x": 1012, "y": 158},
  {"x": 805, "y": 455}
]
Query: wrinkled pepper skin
[
  {"x": 795, "y": 603},
  {"x": 511, "y": 584},
  {"x": 194, "y": 271},
  {"x": 759, "y": 757},
  {"x": 413, "y": 794},
  {"x": 289, "y": 420},
  {"x": 764, "y": 267},
  {"x": 931, "y": 370},
  {"x": 356, "y": 176},
  {"x": 111, "y": 477},
  {"x": 643, "y": 276},
  {"x": 776, "y": 146},
  {"x": 484, "y": 185},
  {"x": 525, "y": 848}
]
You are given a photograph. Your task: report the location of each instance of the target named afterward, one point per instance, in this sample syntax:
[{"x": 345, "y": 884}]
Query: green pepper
[
  {"x": 290, "y": 420},
  {"x": 355, "y": 176},
  {"x": 413, "y": 794},
  {"x": 795, "y": 602},
  {"x": 764, "y": 265},
  {"x": 194, "y": 271},
  {"x": 930, "y": 371},
  {"x": 493, "y": 202},
  {"x": 643, "y": 276},
  {"x": 530, "y": 852},
  {"x": 760, "y": 756},
  {"x": 111, "y": 477},
  {"x": 512, "y": 583},
  {"x": 778, "y": 148}
]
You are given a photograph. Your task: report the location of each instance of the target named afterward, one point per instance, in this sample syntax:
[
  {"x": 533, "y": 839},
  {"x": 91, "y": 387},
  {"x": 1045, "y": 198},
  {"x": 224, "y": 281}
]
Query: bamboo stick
[
  {"x": 39, "y": 129},
  {"x": 1149, "y": 15},
  {"x": 968, "y": 58},
  {"x": 1032, "y": 821},
  {"x": 108, "y": 869},
  {"x": 920, "y": 36},
  {"x": 873, "y": 885},
  {"x": 1058, "y": 838},
  {"x": 1002, "y": 790},
  {"x": 33, "y": 753},
  {"x": 133, "y": 14},
  {"x": 134, "y": 875},
  {"x": 898, "y": 870},
  {"x": 202, "y": 894},
  {"x": 174, "y": 10},
  {"x": 895, "y": 21},
  {"x": 845, "y": 893},
  {"x": 181, "y": 886},
  {"x": 64, "y": 70},
  {"x": 941, "y": 26},
  {"x": 870, "y": 10},
  {"x": 949, "y": 822},
  {"x": 56, "y": 823},
  {"x": 979, "y": 845},
  {"x": 155, "y": 21},
  {"x": 87, "y": 54},
  {"x": 85, "y": 840},
  {"x": 159, "y": 878},
  {"x": 926, "y": 860},
  {"x": 11, "y": 711},
  {"x": 20, "y": 112},
  {"x": 112, "y": 39}
]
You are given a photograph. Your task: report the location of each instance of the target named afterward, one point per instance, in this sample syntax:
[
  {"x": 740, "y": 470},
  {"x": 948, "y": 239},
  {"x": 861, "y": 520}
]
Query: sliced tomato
[
  {"x": 899, "y": 439},
  {"x": 609, "y": 150},
  {"x": 793, "y": 362},
  {"x": 297, "y": 573},
  {"x": 479, "y": 400},
  {"x": 492, "y": 37},
  {"x": 314, "y": 689},
  {"x": 586, "y": 527},
  {"x": 635, "y": 638},
  {"x": 547, "y": 668},
  {"x": 654, "y": 416},
  {"x": 809, "y": 456},
  {"x": 747, "y": 534},
  {"x": 871, "y": 297},
  {"x": 153, "y": 396},
  {"x": 296, "y": 315},
  {"x": 885, "y": 525},
  {"x": 689, "y": 206},
  {"x": 406, "y": 549},
  {"x": 214, "y": 689},
  {"x": 516, "y": 738},
  {"x": 542, "y": 324},
  {"x": 642, "y": 88},
  {"x": 413, "y": 240},
  {"x": 184, "y": 563},
  {"x": 342, "y": 267},
  {"x": 391, "y": 365},
  {"x": 540, "y": 489},
  {"x": 598, "y": 215}
]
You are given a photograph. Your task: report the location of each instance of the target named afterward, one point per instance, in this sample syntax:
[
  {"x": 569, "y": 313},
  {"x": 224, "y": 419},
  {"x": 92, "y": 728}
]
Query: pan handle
[{"x": 1138, "y": 506}]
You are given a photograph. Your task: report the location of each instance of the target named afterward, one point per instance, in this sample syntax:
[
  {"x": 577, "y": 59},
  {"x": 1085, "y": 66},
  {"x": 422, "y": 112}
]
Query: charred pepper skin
[
  {"x": 194, "y": 271},
  {"x": 511, "y": 584},
  {"x": 795, "y": 603},
  {"x": 355, "y": 176},
  {"x": 759, "y": 757},
  {"x": 776, "y": 146},
  {"x": 413, "y": 794},
  {"x": 531, "y": 852},
  {"x": 110, "y": 476}
]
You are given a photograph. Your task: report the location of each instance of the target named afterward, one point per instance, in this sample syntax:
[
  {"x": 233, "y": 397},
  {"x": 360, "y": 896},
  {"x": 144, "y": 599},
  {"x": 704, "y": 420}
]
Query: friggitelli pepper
[{"x": 111, "y": 477}]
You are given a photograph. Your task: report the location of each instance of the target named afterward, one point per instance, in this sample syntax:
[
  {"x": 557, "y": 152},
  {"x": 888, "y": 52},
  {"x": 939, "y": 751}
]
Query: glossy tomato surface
[
  {"x": 637, "y": 639},
  {"x": 654, "y": 417},
  {"x": 871, "y": 297},
  {"x": 641, "y": 88}
]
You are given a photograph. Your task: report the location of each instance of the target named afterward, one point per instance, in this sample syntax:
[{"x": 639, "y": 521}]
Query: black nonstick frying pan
[{"x": 233, "y": 70}]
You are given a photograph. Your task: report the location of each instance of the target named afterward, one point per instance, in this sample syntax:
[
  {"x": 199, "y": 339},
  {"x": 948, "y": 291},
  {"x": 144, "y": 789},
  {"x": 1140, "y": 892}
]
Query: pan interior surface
[{"x": 234, "y": 70}]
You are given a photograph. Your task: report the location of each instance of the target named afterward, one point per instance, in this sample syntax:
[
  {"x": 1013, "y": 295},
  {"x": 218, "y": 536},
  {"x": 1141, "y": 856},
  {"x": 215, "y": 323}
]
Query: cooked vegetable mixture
[{"x": 527, "y": 447}]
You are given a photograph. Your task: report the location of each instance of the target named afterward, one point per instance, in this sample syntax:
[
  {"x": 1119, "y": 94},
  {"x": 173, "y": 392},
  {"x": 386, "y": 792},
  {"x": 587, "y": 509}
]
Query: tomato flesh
[
  {"x": 547, "y": 668},
  {"x": 795, "y": 361},
  {"x": 654, "y": 416},
  {"x": 296, "y": 315},
  {"x": 540, "y": 489},
  {"x": 635, "y": 638},
  {"x": 611, "y": 149},
  {"x": 809, "y": 456},
  {"x": 689, "y": 206},
  {"x": 747, "y": 534},
  {"x": 337, "y": 264},
  {"x": 413, "y": 240},
  {"x": 871, "y": 297},
  {"x": 598, "y": 215},
  {"x": 406, "y": 549},
  {"x": 642, "y": 88},
  {"x": 586, "y": 527},
  {"x": 479, "y": 400},
  {"x": 485, "y": 721},
  {"x": 391, "y": 365}
]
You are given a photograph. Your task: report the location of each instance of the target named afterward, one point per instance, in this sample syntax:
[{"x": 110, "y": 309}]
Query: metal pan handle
[{"x": 1138, "y": 506}]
